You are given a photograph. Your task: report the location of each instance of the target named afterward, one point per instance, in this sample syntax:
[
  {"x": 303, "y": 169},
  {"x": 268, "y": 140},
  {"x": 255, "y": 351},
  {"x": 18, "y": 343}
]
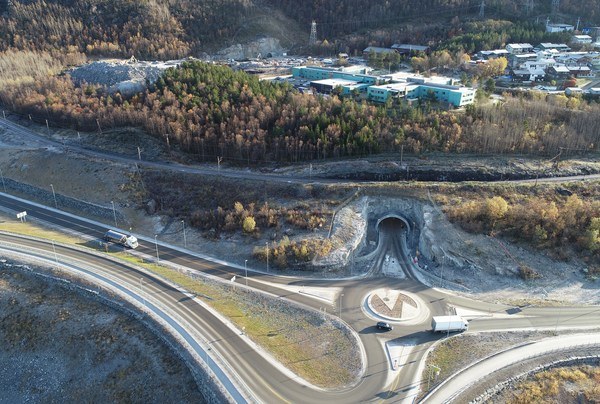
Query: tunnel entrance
[
  {"x": 391, "y": 218},
  {"x": 391, "y": 257}
]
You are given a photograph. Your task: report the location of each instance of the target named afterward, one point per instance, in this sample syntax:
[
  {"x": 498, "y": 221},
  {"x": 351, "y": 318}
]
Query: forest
[
  {"x": 545, "y": 219},
  {"x": 172, "y": 29},
  {"x": 212, "y": 111}
]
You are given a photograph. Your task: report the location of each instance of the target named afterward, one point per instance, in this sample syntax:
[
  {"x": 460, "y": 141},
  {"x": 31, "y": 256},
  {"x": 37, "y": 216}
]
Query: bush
[{"x": 249, "y": 225}]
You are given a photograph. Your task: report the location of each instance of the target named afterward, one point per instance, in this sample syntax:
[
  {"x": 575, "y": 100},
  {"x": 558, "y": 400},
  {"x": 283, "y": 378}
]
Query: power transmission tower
[
  {"x": 529, "y": 7},
  {"x": 555, "y": 6},
  {"x": 482, "y": 9},
  {"x": 313, "y": 34}
]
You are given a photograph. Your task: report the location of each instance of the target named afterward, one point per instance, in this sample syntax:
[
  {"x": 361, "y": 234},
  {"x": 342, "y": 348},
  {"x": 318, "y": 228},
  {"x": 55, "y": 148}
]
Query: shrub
[{"x": 249, "y": 225}]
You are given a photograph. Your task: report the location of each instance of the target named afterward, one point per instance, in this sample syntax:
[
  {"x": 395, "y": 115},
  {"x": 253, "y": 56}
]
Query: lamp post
[
  {"x": 437, "y": 372},
  {"x": 184, "y": 239},
  {"x": 114, "y": 212},
  {"x": 3, "y": 184},
  {"x": 54, "y": 195},
  {"x": 156, "y": 245},
  {"x": 267, "y": 245},
  {"x": 342, "y": 295},
  {"x": 142, "y": 291},
  {"x": 246, "y": 270},
  {"x": 55, "y": 256}
]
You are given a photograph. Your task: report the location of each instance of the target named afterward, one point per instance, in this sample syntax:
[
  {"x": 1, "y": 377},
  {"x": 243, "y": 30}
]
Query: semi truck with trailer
[
  {"x": 449, "y": 324},
  {"x": 120, "y": 238}
]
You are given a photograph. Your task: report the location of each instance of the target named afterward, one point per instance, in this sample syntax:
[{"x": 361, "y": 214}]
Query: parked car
[{"x": 384, "y": 326}]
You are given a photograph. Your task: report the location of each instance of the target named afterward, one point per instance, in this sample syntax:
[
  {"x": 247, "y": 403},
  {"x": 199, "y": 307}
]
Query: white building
[
  {"x": 582, "y": 39},
  {"x": 516, "y": 48},
  {"x": 559, "y": 27}
]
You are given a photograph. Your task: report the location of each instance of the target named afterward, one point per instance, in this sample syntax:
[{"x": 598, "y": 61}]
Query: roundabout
[{"x": 395, "y": 306}]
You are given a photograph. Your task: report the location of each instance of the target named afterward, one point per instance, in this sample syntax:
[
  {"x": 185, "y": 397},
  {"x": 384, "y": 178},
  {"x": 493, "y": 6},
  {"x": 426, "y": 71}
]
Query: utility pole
[
  {"x": 246, "y": 270},
  {"x": 3, "y": 184},
  {"x": 99, "y": 128},
  {"x": 482, "y": 9},
  {"x": 54, "y": 195},
  {"x": 156, "y": 244},
  {"x": 47, "y": 127},
  {"x": 184, "y": 239},
  {"x": 313, "y": 34},
  {"x": 219, "y": 160},
  {"x": 267, "y": 246},
  {"x": 578, "y": 21},
  {"x": 401, "y": 153},
  {"x": 114, "y": 212},
  {"x": 139, "y": 153}
]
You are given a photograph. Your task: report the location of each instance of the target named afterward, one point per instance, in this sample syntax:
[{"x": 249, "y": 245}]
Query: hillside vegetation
[
  {"x": 175, "y": 28},
  {"x": 211, "y": 111}
]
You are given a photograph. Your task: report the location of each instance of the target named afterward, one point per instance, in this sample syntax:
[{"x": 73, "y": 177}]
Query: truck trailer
[
  {"x": 449, "y": 324},
  {"x": 120, "y": 238}
]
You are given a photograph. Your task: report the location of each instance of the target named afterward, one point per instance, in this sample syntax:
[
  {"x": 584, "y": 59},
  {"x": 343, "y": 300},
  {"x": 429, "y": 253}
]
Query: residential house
[
  {"x": 581, "y": 39},
  {"x": 518, "y": 48}
]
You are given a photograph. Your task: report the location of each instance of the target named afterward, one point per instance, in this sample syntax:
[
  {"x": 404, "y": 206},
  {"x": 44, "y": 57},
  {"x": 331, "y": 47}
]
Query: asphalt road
[
  {"x": 267, "y": 382},
  {"x": 223, "y": 172}
]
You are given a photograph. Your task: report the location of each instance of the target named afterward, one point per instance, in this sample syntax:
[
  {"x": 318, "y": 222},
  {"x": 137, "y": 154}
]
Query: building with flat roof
[
  {"x": 380, "y": 89},
  {"x": 559, "y": 27},
  {"x": 562, "y": 47},
  {"x": 409, "y": 49},
  {"x": 582, "y": 39},
  {"x": 515, "y": 48}
]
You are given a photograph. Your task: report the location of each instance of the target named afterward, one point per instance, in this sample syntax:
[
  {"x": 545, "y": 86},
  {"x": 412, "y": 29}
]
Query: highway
[{"x": 266, "y": 381}]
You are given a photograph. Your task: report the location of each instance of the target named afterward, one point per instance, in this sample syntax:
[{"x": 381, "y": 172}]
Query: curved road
[
  {"x": 267, "y": 382},
  {"x": 230, "y": 173}
]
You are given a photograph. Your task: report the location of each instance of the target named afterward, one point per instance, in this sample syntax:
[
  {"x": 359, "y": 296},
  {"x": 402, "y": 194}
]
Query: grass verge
[{"x": 314, "y": 346}]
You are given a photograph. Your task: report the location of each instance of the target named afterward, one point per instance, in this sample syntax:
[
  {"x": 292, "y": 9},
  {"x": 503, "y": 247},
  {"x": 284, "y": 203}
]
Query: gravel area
[{"x": 59, "y": 346}]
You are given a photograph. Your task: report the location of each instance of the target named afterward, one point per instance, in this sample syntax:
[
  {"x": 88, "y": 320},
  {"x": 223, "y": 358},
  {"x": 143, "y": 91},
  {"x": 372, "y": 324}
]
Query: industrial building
[{"x": 381, "y": 88}]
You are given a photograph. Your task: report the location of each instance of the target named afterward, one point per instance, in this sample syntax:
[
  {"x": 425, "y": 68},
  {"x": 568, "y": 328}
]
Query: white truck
[
  {"x": 120, "y": 238},
  {"x": 449, "y": 324}
]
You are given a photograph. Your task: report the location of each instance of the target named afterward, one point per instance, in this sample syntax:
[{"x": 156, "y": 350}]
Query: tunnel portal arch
[{"x": 394, "y": 216}]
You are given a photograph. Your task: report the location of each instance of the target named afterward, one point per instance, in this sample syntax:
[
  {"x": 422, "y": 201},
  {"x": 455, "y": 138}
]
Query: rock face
[{"x": 260, "y": 48}]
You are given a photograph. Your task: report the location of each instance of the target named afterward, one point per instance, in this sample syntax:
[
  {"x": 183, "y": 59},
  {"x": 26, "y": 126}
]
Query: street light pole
[
  {"x": 184, "y": 239},
  {"x": 156, "y": 245},
  {"x": 246, "y": 269},
  {"x": 142, "y": 291},
  {"x": 3, "y": 184},
  {"x": 342, "y": 295},
  {"x": 267, "y": 244},
  {"x": 54, "y": 195},
  {"x": 55, "y": 256},
  {"x": 114, "y": 212}
]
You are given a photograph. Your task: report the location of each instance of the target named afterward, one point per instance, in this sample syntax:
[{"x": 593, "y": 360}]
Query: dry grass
[
  {"x": 308, "y": 343},
  {"x": 565, "y": 384},
  {"x": 311, "y": 345}
]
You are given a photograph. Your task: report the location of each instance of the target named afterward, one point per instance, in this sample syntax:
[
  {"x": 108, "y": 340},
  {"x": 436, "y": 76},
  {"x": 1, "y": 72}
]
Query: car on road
[{"x": 384, "y": 326}]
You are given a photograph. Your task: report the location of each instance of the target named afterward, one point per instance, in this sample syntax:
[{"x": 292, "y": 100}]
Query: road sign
[{"x": 21, "y": 215}]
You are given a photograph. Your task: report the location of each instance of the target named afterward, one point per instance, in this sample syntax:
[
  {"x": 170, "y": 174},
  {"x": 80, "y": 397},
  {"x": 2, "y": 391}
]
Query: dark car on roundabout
[{"x": 383, "y": 326}]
